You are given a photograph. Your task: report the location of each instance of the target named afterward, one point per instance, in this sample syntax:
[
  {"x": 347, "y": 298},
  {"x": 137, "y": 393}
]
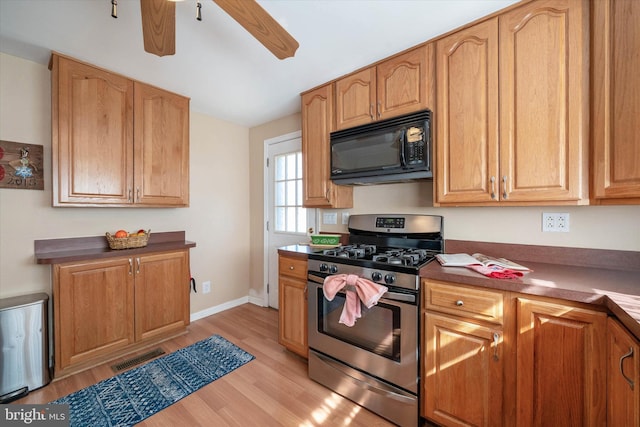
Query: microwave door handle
[{"x": 403, "y": 146}]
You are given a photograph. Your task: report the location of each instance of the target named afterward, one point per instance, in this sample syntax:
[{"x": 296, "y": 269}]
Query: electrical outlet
[
  {"x": 330, "y": 218},
  {"x": 555, "y": 222},
  {"x": 345, "y": 218},
  {"x": 206, "y": 287}
]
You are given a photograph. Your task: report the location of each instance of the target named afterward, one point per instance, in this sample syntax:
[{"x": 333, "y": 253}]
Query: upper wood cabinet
[
  {"x": 623, "y": 375},
  {"x": 161, "y": 147},
  {"x": 397, "y": 86},
  {"x": 615, "y": 86},
  {"x": 520, "y": 138},
  {"x": 115, "y": 141},
  {"x": 317, "y": 123}
]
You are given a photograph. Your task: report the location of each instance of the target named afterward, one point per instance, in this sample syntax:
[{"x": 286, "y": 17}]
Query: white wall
[
  {"x": 216, "y": 220},
  {"x": 602, "y": 227}
]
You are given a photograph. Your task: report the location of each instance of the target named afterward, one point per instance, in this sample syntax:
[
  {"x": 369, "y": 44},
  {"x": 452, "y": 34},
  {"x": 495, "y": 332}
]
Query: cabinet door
[
  {"x": 162, "y": 294},
  {"x": 317, "y": 119},
  {"x": 405, "y": 83},
  {"x": 293, "y": 314},
  {"x": 93, "y": 310},
  {"x": 561, "y": 363},
  {"x": 161, "y": 147},
  {"x": 623, "y": 374},
  {"x": 92, "y": 135},
  {"x": 616, "y": 100},
  {"x": 467, "y": 143},
  {"x": 463, "y": 372},
  {"x": 356, "y": 99},
  {"x": 543, "y": 101}
]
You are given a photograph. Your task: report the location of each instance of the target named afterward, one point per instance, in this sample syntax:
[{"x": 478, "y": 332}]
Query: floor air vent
[{"x": 137, "y": 360}]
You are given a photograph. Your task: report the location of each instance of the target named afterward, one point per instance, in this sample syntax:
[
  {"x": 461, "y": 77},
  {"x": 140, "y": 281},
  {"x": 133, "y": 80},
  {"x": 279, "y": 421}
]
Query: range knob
[
  {"x": 324, "y": 267},
  {"x": 389, "y": 279},
  {"x": 333, "y": 269},
  {"x": 376, "y": 276}
]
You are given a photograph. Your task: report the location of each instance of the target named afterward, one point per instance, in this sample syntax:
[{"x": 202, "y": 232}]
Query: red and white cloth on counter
[
  {"x": 359, "y": 290},
  {"x": 496, "y": 271}
]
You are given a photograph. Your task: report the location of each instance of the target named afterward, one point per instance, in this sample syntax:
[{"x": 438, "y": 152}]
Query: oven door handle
[
  {"x": 314, "y": 278},
  {"x": 385, "y": 392},
  {"x": 388, "y": 296}
]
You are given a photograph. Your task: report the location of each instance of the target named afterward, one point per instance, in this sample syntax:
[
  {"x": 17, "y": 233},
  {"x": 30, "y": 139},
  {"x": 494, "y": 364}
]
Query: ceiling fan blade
[
  {"x": 261, "y": 25},
  {"x": 159, "y": 26}
]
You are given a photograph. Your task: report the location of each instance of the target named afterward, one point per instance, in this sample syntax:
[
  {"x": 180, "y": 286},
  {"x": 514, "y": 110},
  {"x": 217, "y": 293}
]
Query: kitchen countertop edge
[{"x": 58, "y": 251}]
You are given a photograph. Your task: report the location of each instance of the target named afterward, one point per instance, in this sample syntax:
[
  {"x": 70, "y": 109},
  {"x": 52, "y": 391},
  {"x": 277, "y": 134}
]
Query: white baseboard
[{"x": 225, "y": 306}]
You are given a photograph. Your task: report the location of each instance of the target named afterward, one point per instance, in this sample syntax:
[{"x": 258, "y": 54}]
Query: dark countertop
[
  {"x": 299, "y": 249},
  {"x": 616, "y": 290},
  {"x": 57, "y": 251},
  {"x": 605, "y": 278}
]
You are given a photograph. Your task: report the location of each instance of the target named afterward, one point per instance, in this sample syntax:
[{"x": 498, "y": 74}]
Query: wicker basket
[{"x": 128, "y": 242}]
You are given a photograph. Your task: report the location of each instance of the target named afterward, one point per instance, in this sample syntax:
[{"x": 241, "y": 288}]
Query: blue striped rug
[{"x": 134, "y": 395}]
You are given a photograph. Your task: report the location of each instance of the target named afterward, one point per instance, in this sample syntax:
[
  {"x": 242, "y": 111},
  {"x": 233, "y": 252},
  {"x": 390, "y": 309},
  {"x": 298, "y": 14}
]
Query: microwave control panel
[{"x": 415, "y": 145}]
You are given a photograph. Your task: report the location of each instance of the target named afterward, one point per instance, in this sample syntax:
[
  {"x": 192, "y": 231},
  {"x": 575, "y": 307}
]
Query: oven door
[{"x": 382, "y": 343}]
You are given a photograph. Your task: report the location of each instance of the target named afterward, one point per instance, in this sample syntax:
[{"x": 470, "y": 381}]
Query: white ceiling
[{"x": 220, "y": 66}]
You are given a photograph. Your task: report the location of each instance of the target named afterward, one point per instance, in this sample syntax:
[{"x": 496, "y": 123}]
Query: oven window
[{"x": 377, "y": 331}]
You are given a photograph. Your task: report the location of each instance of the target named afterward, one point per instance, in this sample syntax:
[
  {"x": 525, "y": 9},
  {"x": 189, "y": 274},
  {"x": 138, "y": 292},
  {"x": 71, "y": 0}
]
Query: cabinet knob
[
  {"x": 291, "y": 267},
  {"x": 459, "y": 303}
]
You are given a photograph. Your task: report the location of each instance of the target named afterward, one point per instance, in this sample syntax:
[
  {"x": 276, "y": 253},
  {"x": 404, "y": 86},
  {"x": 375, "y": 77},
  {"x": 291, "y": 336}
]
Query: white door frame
[{"x": 265, "y": 216}]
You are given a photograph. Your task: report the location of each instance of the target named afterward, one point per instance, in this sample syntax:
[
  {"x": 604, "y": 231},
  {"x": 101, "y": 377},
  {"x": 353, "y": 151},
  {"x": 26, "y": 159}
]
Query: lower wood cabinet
[
  {"x": 463, "y": 365},
  {"x": 464, "y": 372},
  {"x": 493, "y": 358},
  {"x": 292, "y": 301},
  {"x": 561, "y": 359},
  {"x": 106, "y": 308},
  {"x": 623, "y": 376}
]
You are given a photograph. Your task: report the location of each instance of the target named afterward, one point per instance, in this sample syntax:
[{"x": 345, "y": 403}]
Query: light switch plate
[{"x": 345, "y": 218}]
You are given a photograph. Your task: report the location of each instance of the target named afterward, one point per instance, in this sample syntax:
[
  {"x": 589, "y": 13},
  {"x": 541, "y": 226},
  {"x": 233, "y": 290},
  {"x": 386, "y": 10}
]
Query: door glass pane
[{"x": 291, "y": 216}]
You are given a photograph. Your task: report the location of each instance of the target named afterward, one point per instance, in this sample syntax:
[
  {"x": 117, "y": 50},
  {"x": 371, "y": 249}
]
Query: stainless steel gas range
[{"x": 375, "y": 362}]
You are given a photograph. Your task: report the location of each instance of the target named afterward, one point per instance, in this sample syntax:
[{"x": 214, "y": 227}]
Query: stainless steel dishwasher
[{"x": 24, "y": 345}]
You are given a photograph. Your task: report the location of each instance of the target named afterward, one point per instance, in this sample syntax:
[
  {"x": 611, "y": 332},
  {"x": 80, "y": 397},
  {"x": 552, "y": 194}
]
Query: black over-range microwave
[{"x": 392, "y": 150}]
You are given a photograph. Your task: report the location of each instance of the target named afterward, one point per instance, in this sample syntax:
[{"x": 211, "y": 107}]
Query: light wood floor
[{"x": 271, "y": 390}]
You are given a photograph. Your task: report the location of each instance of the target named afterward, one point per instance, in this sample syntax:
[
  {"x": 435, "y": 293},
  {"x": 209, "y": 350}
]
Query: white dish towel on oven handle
[{"x": 358, "y": 290}]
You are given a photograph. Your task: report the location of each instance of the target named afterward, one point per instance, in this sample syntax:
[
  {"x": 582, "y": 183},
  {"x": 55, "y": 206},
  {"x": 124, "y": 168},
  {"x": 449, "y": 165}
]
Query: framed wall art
[{"x": 21, "y": 166}]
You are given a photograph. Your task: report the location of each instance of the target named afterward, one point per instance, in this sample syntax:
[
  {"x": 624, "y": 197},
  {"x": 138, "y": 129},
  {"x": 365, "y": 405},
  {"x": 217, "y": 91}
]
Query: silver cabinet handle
[
  {"x": 137, "y": 265},
  {"x": 129, "y": 197},
  {"x": 130, "y": 266},
  {"x": 371, "y": 111},
  {"x": 379, "y": 109},
  {"x": 496, "y": 339},
  {"x": 492, "y": 180},
  {"x": 504, "y": 187},
  {"x": 629, "y": 380},
  {"x": 137, "y": 194},
  {"x": 459, "y": 303}
]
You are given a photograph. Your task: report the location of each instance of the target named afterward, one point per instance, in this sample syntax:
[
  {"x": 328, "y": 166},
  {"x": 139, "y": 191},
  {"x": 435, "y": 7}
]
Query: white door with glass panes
[{"x": 287, "y": 221}]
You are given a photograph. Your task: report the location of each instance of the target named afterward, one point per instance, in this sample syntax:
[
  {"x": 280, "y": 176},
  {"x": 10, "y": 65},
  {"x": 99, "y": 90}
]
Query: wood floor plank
[{"x": 272, "y": 390}]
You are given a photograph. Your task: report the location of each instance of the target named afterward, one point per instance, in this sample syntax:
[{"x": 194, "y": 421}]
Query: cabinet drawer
[
  {"x": 466, "y": 302},
  {"x": 293, "y": 267}
]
